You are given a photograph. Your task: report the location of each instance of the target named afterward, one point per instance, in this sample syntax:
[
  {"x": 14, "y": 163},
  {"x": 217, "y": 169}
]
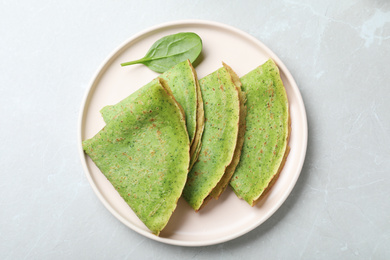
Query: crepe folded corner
[
  {"x": 183, "y": 82},
  {"x": 266, "y": 138},
  {"x": 221, "y": 97},
  {"x": 144, "y": 151}
]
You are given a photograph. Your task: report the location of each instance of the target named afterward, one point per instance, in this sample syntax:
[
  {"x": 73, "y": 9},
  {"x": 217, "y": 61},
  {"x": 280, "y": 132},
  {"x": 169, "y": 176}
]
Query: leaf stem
[{"x": 133, "y": 62}]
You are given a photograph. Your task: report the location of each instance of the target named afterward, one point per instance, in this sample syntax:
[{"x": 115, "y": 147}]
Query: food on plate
[
  {"x": 224, "y": 182},
  {"x": 171, "y": 50},
  {"x": 268, "y": 128},
  {"x": 183, "y": 82},
  {"x": 220, "y": 92},
  {"x": 144, "y": 152},
  {"x": 177, "y": 136}
]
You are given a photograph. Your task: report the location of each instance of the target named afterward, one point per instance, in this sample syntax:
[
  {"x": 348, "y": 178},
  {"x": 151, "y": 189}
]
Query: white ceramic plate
[{"x": 221, "y": 220}]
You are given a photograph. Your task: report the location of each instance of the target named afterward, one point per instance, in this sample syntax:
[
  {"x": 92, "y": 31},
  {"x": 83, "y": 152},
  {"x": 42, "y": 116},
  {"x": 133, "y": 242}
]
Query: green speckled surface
[
  {"x": 110, "y": 111},
  {"x": 181, "y": 81},
  {"x": 221, "y": 106},
  {"x": 144, "y": 152},
  {"x": 225, "y": 180},
  {"x": 267, "y": 131}
]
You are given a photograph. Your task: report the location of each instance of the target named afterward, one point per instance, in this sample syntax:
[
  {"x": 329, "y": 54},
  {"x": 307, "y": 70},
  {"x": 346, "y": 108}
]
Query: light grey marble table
[{"x": 337, "y": 51}]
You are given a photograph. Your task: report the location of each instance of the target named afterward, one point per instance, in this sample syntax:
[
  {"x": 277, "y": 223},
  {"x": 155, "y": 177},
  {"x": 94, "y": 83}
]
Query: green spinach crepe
[
  {"x": 220, "y": 91},
  {"x": 183, "y": 82},
  {"x": 144, "y": 152},
  {"x": 267, "y": 133},
  {"x": 224, "y": 182}
]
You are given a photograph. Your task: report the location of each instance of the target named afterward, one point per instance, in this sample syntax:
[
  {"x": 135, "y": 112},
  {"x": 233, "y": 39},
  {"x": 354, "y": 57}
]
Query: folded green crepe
[
  {"x": 220, "y": 91},
  {"x": 144, "y": 152},
  {"x": 183, "y": 82},
  {"x": 224, "y": 182},
  {"x": 267, "y": 133}
]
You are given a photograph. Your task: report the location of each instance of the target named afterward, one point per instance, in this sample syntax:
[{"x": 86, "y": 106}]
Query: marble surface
[{"x": 339, "y": 55}]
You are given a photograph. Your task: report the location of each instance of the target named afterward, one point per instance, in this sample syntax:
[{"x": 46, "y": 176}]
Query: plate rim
[{"x": 92, "y": 85}]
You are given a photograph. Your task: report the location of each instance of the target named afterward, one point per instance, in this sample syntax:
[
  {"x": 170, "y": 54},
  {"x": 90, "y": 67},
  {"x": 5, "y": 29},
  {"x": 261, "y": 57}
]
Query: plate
[{"x": 221, "y": 220}]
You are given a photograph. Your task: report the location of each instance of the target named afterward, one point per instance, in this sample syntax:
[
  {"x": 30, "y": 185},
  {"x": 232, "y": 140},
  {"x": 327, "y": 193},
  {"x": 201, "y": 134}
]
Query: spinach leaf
[{"x": 170, "y": 50}]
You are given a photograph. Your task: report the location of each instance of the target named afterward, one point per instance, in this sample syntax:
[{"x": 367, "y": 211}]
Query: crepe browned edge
[
  {"x": 224, "y": 182},
  {"x": 165, "y": 85},
  {"x": 234, "y": 82},
  {"x": 282, "y": 156},
  {"x": 196, "y": 143},
  {"x": 281, "y": 166}
]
